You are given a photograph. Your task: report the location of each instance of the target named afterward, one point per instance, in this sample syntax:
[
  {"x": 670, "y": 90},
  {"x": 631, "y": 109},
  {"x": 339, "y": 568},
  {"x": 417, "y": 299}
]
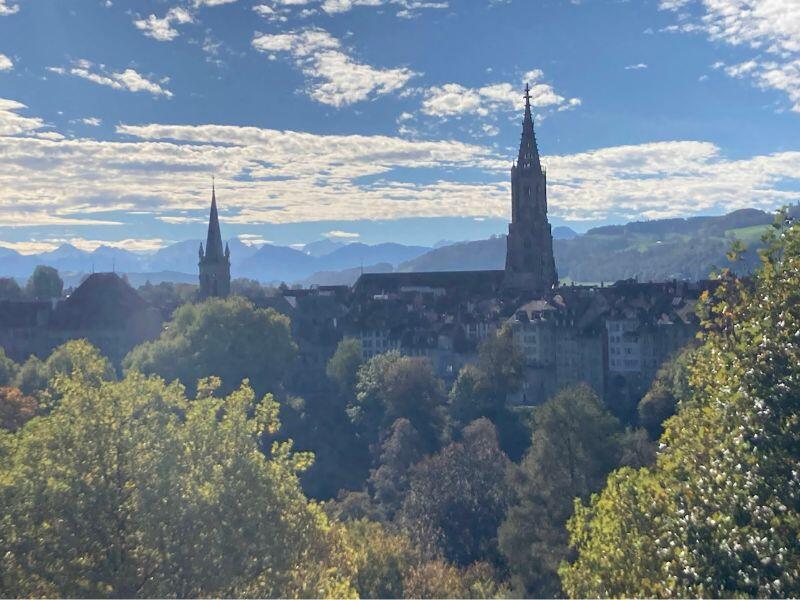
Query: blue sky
[{"x": 385, "y": 120}]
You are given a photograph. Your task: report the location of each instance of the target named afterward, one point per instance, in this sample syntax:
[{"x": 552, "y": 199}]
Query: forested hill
[{"x": 647, "y": 250}]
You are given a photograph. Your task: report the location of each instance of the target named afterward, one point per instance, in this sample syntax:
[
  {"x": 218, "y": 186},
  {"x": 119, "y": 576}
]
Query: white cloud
[
  {"x": 129, "y": 79},
  {"x": 252, "y": 239},
  {"x": 200, "y": 3},
  {"x": 453, "y": 99},
  {"x": 47, "y": 244},
  {"x": 334, "y": 77},
  {"x": 769, "y": 27},
  {"x": 6, "y": 8},
  {"x": 12, "y": 123},
  {"x": 636, "y": 67},
  {"x": 164, "y": 170},
  {"x": 5, "y": 63},
  {"x": 92, "y": 121},
  {"x": 341, "y": 235},
  {"x": 162, "y": 29},
  {"x": 406, "y": 8}
]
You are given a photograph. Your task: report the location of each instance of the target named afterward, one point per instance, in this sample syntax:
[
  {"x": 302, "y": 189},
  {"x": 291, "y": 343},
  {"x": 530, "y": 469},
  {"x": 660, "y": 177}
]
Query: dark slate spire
[
  {"x": 214, "y": 239},
  {"x": 528, "y": 150}
]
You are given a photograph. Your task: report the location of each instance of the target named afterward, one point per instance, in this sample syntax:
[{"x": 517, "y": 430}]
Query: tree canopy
[
  {"x": 717, "y": 515},
  {"x": 458, "y": 497},
  {"x": 44, "y": 283},
  {"x": 230, "y": 339},
  {"x": 390, "y": 387},
  {"x": 127, "y": 488},
  {"x": 575, "y": 445}
]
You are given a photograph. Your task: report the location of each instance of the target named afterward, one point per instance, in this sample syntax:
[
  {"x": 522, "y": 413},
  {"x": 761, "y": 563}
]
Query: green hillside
[{"x": 646, "y": 250}]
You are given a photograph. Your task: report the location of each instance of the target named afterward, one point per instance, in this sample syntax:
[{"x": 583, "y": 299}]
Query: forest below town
[{"x": 194, "y": 469}]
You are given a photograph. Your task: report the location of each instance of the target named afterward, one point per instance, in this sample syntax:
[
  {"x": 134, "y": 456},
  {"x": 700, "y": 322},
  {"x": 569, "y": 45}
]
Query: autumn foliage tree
[{"x": 16, "y": 408}]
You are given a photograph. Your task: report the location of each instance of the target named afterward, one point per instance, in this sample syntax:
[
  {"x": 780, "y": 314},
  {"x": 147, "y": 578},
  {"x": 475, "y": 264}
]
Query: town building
[{"x": 104, "y": 309}]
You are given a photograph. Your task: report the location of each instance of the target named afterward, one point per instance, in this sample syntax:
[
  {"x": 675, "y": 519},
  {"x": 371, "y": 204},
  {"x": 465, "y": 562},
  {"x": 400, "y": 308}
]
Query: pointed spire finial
[{"x": 528, "y": 149}]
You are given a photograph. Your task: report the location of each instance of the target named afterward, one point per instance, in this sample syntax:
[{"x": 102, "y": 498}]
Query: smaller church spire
[
  {"x": 214, "y": 239},
  {"x": 528, "y": 149}
]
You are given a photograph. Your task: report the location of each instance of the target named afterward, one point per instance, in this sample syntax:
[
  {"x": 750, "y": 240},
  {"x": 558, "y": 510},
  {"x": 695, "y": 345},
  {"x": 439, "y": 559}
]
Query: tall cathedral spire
[
  {"x": 215, "y": 263},
  {"x": 530, "y": 268},
  {"x": 528, "y": 150}
]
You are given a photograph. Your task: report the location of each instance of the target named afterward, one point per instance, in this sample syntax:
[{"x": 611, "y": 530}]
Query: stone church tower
[
  {"x": 530, "y": 267},
  {"x": 215, "y": 265}
]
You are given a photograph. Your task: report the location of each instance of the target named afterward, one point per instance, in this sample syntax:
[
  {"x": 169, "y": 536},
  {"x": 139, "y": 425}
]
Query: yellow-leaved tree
[{"x": 127, "y": 488}]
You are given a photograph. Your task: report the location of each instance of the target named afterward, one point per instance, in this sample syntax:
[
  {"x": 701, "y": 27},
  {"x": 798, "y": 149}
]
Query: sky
[{"x": 385, "y": 120}]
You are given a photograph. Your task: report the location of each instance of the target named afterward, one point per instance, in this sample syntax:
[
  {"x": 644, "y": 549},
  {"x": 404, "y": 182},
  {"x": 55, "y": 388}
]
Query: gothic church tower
[
  {"x": 215, "y": 265},
  {"x": 530, "y": 267}
]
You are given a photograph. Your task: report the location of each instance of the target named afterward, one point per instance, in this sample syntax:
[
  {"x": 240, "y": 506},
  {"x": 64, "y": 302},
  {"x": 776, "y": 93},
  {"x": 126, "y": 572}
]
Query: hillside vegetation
[{"x": 647, "y": 250}]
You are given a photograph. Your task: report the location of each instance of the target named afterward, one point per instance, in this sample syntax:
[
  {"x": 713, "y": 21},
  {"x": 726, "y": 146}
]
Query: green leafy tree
[
  {"x": 128, "y": 489},
  {"x": 717, "y": 515},
  {"x": 389, "y": 565},
  {"x": 575, "y": 445},
  {"x": 9, "y": 289},
  {"x": 401, "y": 449},
  {"x": 670, "y": 386},
  {"x": 439, "y": 579},
  {"x": 250, "y": 289},
  {"x": 32, "y": 376},
  {"x": 344, "y": 364},
  {"x": 229, "y": 338},
  {"x": 458, "y": 498},
  {"x": 384, "y": 559},
  {"x": 8, "y": 369},
  {"x": 390, "y": 387},
  {"x": 44, "y": 283},
  {"x": 481, "y": 390},
  {"x": 502, "y": 363}
]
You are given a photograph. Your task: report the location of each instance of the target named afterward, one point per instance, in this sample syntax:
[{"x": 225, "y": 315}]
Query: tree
[
  {"x": 44, "y": 283},
  {"x": 16, "y": 409},
  {"x": 716, "y": 516},
  {"x": 9, "y": 289},
  {"x": 229, "y": 338},
  {"x": 75, "y": 357},
  {"x": 390, "y": 387},
  {"x": 32, "y": 376},
  {"x": 130, "y": 489},
  {"x": 481, "y": 390},
  {"x": 8, "y": 369},
  {"x": 438, "y": 579},
  {"x": 670, "y": 386},
  {"x": 389, "y": 565},
  {"x": 575, "y": 445},
  {"x": 399, "y": 452},
  {"x": 384, "y": 559},
  {"x": 458, "y": 498},
  {"x": 250, "y": 289},
  {"x": 344, "y": 364}
]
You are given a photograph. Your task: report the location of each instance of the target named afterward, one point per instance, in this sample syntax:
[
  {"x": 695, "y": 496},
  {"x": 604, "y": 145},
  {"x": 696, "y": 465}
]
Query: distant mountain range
[
  {"x": 648, "y": 250},
  {"x": 178, "y": 262}
]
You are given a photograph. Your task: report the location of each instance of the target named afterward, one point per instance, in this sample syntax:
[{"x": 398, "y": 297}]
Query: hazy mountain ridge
[
  {"x": 266, "y": 263},
  {"x": 648, "y": 250}
]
